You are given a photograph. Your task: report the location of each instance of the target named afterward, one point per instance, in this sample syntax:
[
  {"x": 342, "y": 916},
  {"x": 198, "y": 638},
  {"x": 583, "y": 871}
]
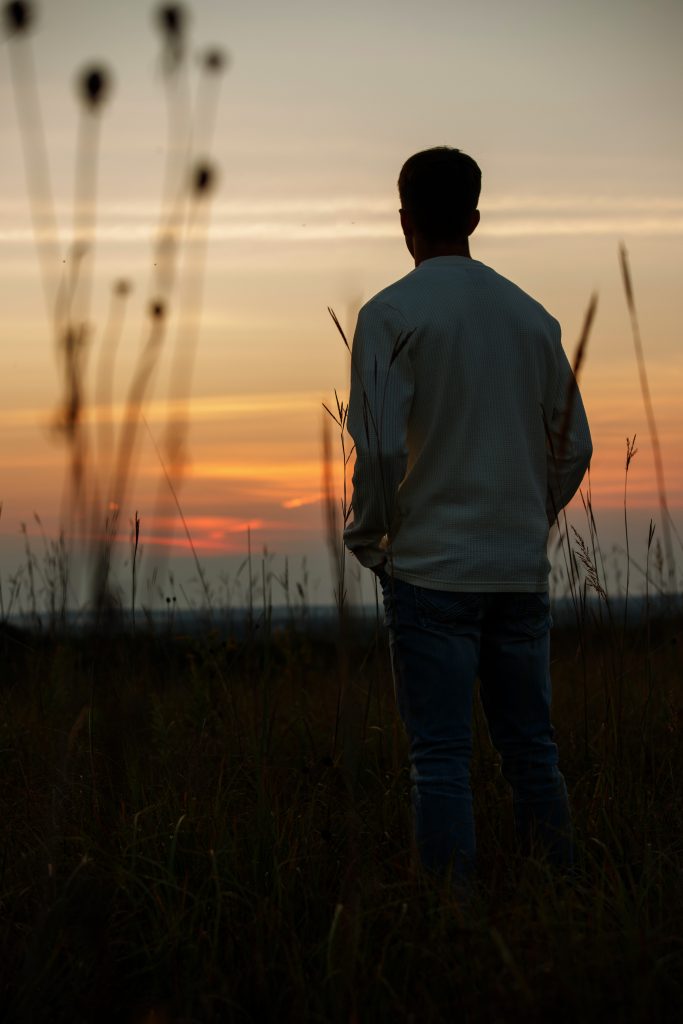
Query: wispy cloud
[
  {"x": 201, "y": 408},
  {"x": 301, "y": 502},
  {"x": 319, "y": 219},
  {"x": 291, "y": 472},
  {"x": 209, "y": 533}
]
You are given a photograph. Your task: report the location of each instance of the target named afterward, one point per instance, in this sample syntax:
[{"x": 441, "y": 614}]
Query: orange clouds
[
  {"x": 615, "y": 409},
  {"x": 255, "y": 462},
  {"x": 210, "y": 534}
]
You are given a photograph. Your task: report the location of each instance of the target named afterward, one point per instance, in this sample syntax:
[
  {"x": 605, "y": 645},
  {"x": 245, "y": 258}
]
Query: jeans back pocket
[{"x": 446, "y": 610}]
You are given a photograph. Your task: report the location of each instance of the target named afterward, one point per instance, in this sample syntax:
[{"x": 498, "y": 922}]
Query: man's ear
[
  {"x": 408, "y": 228},
  {"x": 474, "y": 221}
]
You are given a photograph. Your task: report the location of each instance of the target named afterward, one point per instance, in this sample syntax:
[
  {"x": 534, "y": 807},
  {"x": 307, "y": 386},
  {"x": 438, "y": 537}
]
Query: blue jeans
[{"x": 440, "y": 642}]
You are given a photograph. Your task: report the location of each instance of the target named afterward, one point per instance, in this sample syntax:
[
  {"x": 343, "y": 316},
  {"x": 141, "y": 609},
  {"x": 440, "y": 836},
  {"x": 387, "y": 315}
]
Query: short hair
[{"x": 440, "y": 188}]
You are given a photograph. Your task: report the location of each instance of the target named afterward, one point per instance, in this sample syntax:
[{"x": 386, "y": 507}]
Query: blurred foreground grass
[{"x": 193, "y": 831}]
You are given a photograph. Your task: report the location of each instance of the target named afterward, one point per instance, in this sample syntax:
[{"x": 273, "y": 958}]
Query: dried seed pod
[
  {"x": 215, "y": 60},
  {"x": 19, "y": 17},
  {"x": 94, "y": 84},
  {"x": 172, "y": 20},
  {"x": 203, "y": 178}
]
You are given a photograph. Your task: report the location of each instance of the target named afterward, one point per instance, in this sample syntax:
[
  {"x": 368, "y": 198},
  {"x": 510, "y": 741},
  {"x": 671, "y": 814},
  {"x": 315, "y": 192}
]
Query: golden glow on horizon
[
  {"x": 281, "y": 432},
  {"x": 206, "y": 407}
]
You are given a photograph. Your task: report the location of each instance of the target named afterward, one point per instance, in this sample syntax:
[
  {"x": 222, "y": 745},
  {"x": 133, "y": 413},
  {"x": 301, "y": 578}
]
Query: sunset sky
[{"x": 572, "y": 111}]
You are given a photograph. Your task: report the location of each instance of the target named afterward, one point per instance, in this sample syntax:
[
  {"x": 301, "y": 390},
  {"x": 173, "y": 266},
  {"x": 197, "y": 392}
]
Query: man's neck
[{"x": 429, "y": 250}]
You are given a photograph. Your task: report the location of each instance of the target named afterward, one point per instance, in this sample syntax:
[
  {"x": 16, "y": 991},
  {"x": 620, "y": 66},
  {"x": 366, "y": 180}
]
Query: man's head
[{"x": 439, "y": 190}]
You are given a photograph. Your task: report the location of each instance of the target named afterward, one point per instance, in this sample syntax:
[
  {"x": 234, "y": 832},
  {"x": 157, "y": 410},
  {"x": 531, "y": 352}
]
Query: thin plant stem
[
  {"x": 650, "y": 414},
  {"x": 198, "y": 564}
]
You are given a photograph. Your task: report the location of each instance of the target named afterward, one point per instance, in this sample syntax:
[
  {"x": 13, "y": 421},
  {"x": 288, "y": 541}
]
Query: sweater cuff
[{"x": 371, "y": 557}]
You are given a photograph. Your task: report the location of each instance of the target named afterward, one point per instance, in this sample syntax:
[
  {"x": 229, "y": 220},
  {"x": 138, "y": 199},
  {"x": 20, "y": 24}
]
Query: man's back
[
  {"x": 470, "y": 437},
  {"x": 451, "y": 428}
]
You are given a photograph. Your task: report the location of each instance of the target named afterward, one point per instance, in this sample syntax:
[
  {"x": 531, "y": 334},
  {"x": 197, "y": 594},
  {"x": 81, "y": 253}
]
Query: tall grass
[
  {"x": 667, "y": 524},
  {"x": 180, "y": 837},
  {"x": 101, "y": 467}
]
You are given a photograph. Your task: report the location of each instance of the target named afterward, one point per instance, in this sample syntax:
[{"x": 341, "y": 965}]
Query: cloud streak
[
  {"x": 128, "y": 223},
  {"x": 201, "y": 408}
]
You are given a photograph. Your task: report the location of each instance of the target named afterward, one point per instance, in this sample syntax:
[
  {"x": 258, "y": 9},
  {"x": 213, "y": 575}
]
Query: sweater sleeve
[
  {"x": 379, "y": 407},
  {"x": 569, "y": 445}
]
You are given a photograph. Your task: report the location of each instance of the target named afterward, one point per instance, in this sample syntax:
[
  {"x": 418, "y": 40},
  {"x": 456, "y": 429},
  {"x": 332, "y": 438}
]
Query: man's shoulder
[
  {"x": 391, "y": 298},
  {"x": 517, "y": 294},
  {"x": 409, "y": 296}
]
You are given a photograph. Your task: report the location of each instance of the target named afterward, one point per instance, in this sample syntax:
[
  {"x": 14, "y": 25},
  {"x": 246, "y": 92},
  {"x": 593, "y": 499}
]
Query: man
[{"x": 470, "y": 437}]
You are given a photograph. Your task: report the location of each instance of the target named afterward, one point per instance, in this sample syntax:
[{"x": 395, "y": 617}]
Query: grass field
[{"x": 202, "y": 830}]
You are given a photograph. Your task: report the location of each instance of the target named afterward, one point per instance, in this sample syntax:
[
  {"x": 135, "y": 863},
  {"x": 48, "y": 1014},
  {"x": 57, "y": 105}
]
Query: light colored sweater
[{"x": 470, "y": 432}]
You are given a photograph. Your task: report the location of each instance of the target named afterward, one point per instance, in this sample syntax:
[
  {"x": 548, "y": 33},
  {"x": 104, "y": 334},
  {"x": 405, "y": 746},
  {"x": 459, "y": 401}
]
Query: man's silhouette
[{"x": 470, "y": 437}]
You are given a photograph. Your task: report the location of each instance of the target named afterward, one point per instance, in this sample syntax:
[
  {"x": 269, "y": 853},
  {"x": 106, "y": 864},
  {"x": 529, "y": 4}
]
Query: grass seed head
[
  {"x": 215, "y": 60},
  {"x": 172, "y": 20},
  {"x": 94, "y": 85},
  {"x": 19, "y": 17},
  {"x": 203, "y": 178},
  {"x": 626, "y": 276}
]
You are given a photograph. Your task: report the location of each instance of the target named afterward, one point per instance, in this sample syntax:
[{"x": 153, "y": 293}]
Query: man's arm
[
  {"x": 569, "y": 447},
  {"x": 379, "y": 406}
]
